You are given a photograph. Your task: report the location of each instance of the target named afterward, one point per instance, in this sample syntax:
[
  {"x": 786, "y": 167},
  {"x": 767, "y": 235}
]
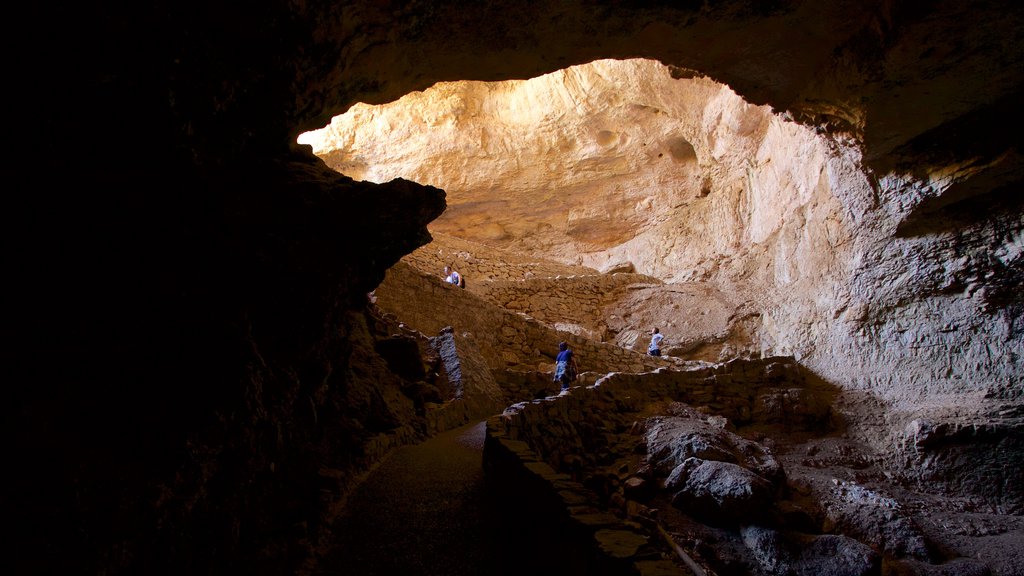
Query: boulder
[
  {"x": 803, "y": 555},
  {"x": 721, "y": 493},
  {"x": 673, "y": 439}
]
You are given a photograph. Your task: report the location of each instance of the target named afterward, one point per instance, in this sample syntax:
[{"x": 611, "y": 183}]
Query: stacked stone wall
[
  {"x": 520, "y": 385},
  {"x": 479, "y": 263},
  {"x": 568, "y": 298},
  {"x": 770, "y": 391},
  {"x": 544, "y": 443},
  {"x": 561, "y": 515},
  {"x": 574, "y": 303}
]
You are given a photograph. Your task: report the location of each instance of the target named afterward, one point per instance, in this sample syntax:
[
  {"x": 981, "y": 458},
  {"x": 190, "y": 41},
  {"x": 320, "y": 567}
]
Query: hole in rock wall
[{"x": 681, "y": 150}]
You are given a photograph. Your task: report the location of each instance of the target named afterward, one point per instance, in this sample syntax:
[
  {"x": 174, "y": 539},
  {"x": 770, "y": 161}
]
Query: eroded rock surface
[
  {"x": 769, "y": 237},
  {"x": 195, "y": 377},
  {"x": 755, "y": 495}
]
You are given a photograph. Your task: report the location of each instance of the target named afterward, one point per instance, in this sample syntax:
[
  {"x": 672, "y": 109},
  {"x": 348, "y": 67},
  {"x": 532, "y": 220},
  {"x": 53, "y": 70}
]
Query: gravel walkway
[{"x": 424, "y": 512}]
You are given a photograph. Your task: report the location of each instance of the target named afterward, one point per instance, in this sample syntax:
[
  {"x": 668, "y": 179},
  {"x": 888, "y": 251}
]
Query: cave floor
[
  {"x": 425, "y": 511},
  {"x": 958, "y": 534}
]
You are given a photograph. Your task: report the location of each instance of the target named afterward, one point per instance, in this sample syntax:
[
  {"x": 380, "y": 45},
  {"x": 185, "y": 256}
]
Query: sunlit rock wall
[
  {"x": 626, "y": 161},
  {"x": 506, "y": 339}
]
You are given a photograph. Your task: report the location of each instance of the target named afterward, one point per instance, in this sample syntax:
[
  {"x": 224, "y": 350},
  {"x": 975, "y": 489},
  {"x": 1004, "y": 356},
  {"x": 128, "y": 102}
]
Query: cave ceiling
[{"x": 912, "y": 89}]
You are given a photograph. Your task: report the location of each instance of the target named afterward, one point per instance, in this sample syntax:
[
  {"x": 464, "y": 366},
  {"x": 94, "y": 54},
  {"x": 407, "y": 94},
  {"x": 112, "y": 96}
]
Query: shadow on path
[{"x": 425, "y": 511}]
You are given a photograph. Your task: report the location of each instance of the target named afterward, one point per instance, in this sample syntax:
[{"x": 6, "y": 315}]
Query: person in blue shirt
[{"x": 566, "y": 368}]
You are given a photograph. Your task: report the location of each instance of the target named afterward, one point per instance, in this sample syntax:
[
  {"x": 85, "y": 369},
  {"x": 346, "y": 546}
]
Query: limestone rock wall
[
  {"x": 473, "y": 391},
  {"x": 699, "y": 321},
  {"x": 907, "y": 316},
  {"x": 506, "y": 340},
  {"x": 806, "y": 252},
  {"x": 574, "y": 162}
]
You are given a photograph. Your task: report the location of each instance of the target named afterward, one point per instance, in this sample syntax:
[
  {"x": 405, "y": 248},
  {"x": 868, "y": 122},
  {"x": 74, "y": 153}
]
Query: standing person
[
  {"x": 655, "y": 347},
  {"x": 566, "y": 368}
]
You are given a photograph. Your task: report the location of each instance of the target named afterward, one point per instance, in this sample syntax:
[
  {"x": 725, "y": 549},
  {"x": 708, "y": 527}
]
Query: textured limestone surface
[
  {"x": 197, "y": 380},
  {"x": 774, "y": 228}
]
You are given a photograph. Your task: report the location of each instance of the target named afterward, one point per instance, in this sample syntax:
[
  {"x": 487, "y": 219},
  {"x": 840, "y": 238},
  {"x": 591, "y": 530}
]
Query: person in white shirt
[
  {"x": 451, "y": 276},
  {"x": 655, "y": 348}
]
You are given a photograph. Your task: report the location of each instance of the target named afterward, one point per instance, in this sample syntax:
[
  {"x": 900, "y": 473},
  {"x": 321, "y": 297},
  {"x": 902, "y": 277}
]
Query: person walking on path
[
  {"x": 566, "y": 368},
  {"x": 655, "y": 348}
]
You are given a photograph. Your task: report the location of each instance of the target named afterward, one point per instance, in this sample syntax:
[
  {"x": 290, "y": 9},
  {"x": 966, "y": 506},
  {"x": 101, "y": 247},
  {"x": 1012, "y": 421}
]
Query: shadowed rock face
[{"x": 196, "y": 376}]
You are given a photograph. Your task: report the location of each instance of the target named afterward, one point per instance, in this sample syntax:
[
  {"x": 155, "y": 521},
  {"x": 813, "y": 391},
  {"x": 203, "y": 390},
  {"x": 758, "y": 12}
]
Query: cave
[{"x": 214, "y": 333}]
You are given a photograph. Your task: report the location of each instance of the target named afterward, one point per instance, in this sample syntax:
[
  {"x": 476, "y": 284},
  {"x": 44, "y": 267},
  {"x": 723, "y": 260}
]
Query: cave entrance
[
  {"x": 593, "y": 164},
  {"x": 614, "y": 166}
]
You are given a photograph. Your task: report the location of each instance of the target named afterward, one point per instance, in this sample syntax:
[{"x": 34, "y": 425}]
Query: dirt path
[{"x": 424, "y": 511}]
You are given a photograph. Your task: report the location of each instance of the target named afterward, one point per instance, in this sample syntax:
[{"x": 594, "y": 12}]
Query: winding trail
[{"x": 425, "y": 511}]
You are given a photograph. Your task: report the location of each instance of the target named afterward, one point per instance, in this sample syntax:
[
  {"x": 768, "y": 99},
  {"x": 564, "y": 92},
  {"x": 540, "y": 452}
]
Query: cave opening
[
  {"x": 199, "y": 381},
  {"x": 614, "y": 166},
  {"x": 595, "y": 164},
  {"x": 739, "y": 232}
]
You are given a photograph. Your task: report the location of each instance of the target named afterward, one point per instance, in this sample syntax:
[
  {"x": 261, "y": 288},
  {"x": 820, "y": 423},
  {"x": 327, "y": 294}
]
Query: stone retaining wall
[
  {"x": 770, "y": 391},
  {"x": 548, "y": 443},
  {"x": 569, "y": 298},
  {"x": 562, "y": 517},
  {"x": 480, "y": 263},
  {"x": 572, "y": 303}
]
